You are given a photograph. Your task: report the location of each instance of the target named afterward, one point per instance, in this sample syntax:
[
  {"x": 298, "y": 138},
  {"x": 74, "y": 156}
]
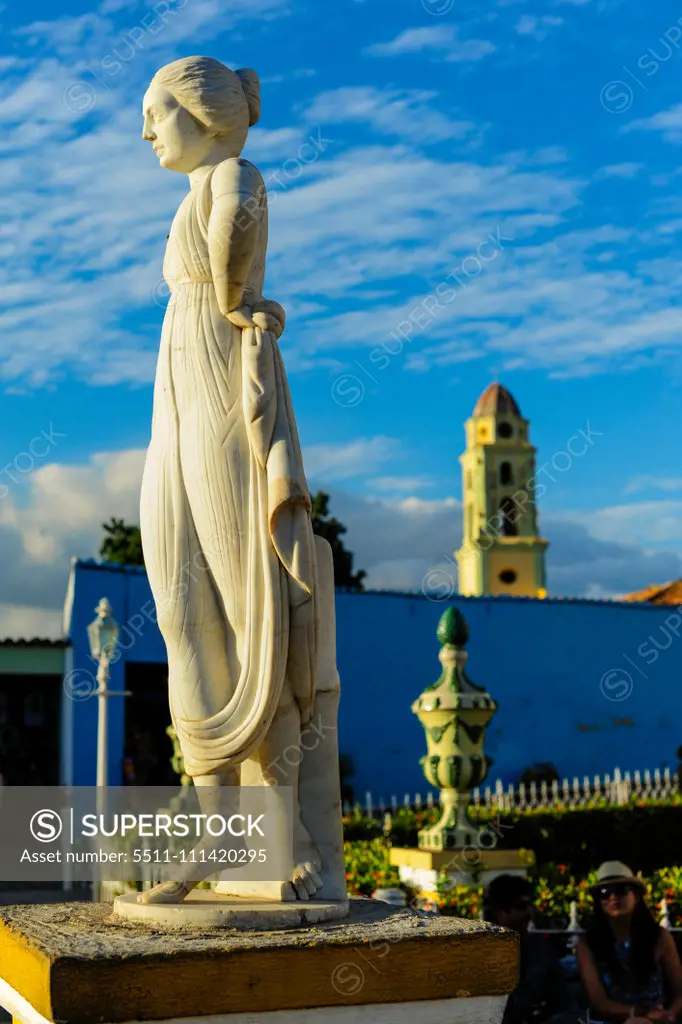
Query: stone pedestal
[
  {"x": 206, "y": 909},
  {"x": 381, "y": 965},
  {"x": 422, "y": 868}
]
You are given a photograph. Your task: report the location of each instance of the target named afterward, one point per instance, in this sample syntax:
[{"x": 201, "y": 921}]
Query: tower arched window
[
  {"x": 509, "y": 513},
  {"x": 506, "y": 474},
  {"x": 504, "y": 430}
]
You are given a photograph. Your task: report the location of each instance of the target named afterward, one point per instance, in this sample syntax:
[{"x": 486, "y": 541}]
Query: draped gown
[{"x": 225, "y": 507}]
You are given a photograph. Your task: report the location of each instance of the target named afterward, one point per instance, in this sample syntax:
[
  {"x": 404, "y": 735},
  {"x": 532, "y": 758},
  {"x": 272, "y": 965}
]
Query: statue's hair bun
[{"x": 251, "y": 86}]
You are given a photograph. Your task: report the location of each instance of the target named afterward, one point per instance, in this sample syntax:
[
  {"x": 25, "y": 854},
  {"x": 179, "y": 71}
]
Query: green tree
[
  {"x": 325, "y": 525},
  {"x": 122, "y": 543}
]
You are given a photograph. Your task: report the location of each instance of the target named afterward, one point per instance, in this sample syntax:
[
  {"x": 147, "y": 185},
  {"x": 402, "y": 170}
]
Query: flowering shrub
[
  {"x": 460, "y": 900},
  {"x": 556, "y": 887},
  {"x": 367, "y": 867},
  {"x": 667, "y": 884}
]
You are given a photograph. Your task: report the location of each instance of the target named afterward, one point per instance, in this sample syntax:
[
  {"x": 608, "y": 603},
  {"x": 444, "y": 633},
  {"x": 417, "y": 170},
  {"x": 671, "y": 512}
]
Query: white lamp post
[{"x": 103, "y": 636}]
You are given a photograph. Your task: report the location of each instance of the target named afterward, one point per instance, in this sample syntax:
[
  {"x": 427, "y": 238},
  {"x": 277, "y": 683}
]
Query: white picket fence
[{"x": 617, "y": 788}]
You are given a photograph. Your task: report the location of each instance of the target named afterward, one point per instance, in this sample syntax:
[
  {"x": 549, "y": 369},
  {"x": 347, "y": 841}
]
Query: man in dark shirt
[{"x": 542, "y": 991}]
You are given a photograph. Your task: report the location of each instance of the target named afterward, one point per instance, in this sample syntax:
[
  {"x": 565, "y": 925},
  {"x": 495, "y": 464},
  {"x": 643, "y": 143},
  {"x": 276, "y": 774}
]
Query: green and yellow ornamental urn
[{"x": 455, "y": 714}]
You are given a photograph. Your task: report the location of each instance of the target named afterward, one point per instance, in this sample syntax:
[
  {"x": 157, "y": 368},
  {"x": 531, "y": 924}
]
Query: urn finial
[{"x": 455, "y": 713}]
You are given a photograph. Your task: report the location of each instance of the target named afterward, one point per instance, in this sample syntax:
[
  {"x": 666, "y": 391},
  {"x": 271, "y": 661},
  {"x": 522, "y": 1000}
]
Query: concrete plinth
[
  {"x": 204, "y": 909},
  {"x": 422, "y": 869},
  {"x": 380, "y": 965}
]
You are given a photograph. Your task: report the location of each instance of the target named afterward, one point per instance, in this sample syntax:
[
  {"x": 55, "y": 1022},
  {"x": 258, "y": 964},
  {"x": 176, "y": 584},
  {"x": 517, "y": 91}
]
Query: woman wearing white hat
[{"x": 629, "y": 965}]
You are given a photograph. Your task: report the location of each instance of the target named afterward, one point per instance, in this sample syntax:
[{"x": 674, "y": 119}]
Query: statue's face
[{"x": 179, "y": 141}]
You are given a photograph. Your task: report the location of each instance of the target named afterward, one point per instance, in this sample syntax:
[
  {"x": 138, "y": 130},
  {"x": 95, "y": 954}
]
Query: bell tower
[{"x": 502, "y": 552}]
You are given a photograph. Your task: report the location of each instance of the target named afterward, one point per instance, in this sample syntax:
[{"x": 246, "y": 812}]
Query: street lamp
[
  {"x": 103, "y": 636},
  {"x": 103, "y": 632}
]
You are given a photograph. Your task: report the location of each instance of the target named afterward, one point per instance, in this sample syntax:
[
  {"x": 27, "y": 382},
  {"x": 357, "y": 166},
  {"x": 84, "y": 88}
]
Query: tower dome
[{"x": 496, "y": 400}]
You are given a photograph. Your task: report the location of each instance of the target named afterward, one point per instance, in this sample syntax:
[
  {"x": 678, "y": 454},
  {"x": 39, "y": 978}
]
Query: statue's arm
[{"x": 233, "y": 229}]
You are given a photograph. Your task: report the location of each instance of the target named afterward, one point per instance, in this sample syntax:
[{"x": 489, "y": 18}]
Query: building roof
[
  {"x": 9, "y": 641},
  {"x": 94, "y": 563},
  {"x": 495, "y": 400},
  {"x": 659, "y": 593}
]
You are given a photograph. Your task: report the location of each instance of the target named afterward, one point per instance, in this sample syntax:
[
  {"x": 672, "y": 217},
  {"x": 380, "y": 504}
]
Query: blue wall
[{"x": 547, "y": 663}]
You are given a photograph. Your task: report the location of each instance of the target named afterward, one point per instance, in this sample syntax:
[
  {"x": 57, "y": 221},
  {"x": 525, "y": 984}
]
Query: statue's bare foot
[
  {"x": 166, "y": 892},
  {"x": 306, "y": 880}
]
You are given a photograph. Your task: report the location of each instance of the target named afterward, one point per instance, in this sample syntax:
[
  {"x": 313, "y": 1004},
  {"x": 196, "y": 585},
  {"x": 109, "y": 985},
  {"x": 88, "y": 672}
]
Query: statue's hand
[
  {"x": 269, "y": 316},
  {"x": 241, "y": 317},
  {"x": 264, "y": 313}
]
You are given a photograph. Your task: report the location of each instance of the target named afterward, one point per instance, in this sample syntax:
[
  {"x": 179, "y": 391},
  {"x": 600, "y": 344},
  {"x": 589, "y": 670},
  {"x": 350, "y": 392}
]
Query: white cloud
[
  {"x": 624, "y": 170},
  {"x": 399, "y": 484},
  {"x": 270, "y": 145},
  {"x": 443, "y": 39},
  {"x": 352, "y": 459},
  {"x": 405, "y": 113},
  {"x": 537, "y": 27},
  {"x": 649, "y": 523},
  {"x": 59, "y": 516},
  {"x": 21, "y": 623},
  {"x": 65, "y": 33},
  {"x": 653, "y": 483},
  {"x": 94, "y": 36},
  {"x": 113, "y": 6},
  {"x": 668, "y": 123}
]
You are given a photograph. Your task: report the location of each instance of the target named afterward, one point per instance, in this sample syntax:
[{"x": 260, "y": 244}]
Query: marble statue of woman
[{"x": 250, "y": 635}]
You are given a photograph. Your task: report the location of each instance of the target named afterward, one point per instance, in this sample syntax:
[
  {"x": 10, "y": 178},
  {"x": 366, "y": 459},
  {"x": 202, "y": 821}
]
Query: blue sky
[{"x": 396, "y": 136}]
